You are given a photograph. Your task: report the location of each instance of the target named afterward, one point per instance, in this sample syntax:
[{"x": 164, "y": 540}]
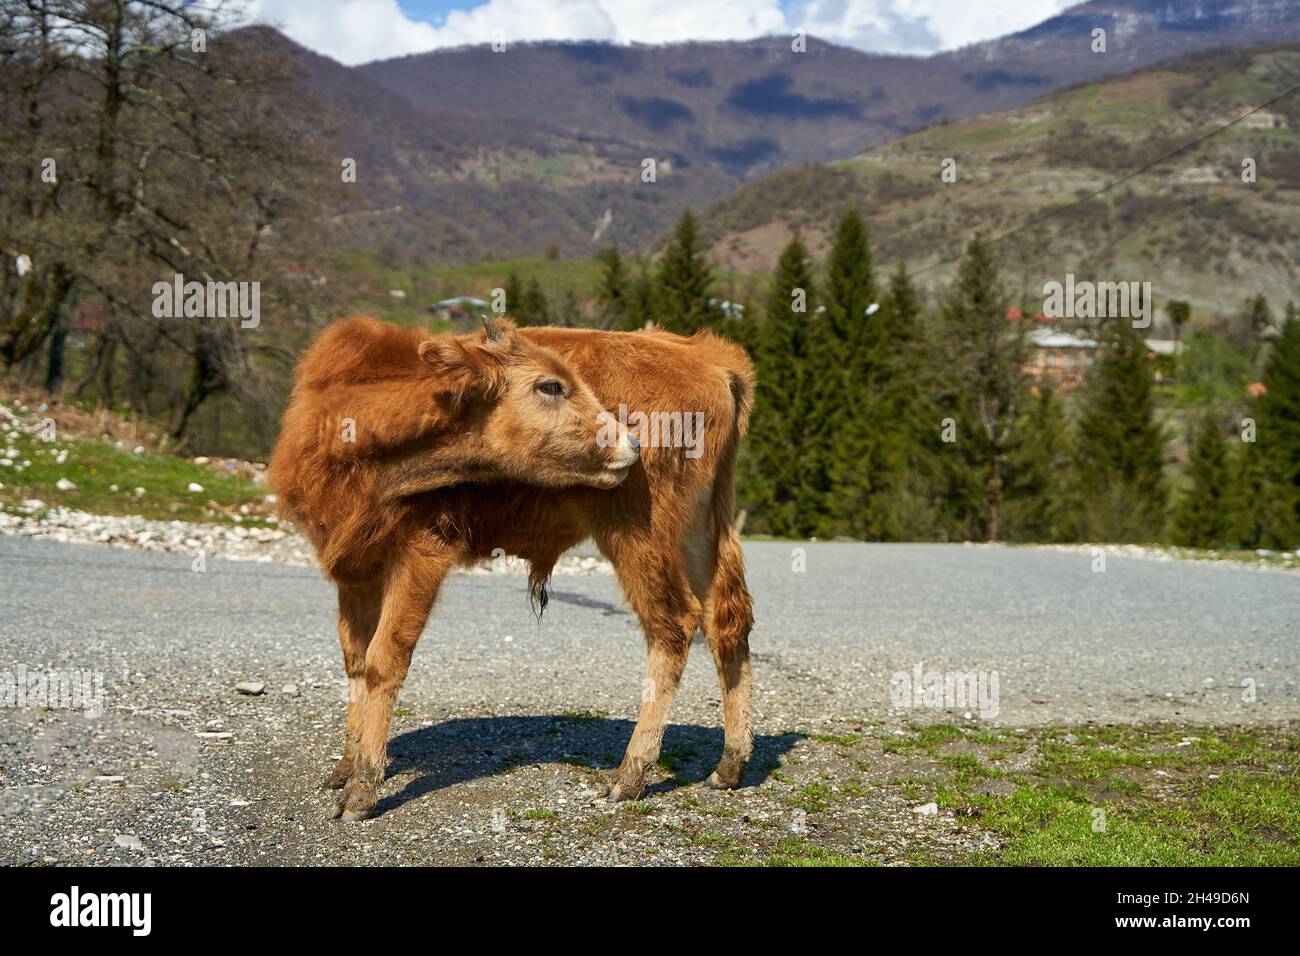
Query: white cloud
[
  {"x": 355, "y": 31},
  {"x": 350, "y": 31},
  {"x": 919, "y": 26}
]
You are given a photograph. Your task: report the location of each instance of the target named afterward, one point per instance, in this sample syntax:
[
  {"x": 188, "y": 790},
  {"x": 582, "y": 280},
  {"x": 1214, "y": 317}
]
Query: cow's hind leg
[
  {"x": 410, "y": 588},
  {"x": 716, "y": 567},
  {"x": 670, "y": 615},
  {"x": 729, "y": 620},
  {"x": 359, "y": 607}
]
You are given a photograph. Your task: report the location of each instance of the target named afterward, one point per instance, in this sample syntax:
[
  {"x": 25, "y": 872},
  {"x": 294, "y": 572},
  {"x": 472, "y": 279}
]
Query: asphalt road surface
[{"x": 497, "y": 751}]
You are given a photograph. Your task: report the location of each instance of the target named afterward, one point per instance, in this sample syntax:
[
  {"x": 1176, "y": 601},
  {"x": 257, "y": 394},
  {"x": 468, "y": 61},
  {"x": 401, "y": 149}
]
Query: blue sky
[
  {"x": 356, "y": 31},
  {"x": 432, "y": 10}
]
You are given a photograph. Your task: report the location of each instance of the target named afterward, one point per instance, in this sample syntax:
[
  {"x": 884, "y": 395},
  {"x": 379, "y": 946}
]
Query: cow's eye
[{"x": 551, "y": 387}]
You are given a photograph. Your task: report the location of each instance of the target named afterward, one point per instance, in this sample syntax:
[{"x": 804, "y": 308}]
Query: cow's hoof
[
  {"x": 350, "y": 811},
  {"x": 619, "y": 792},
  {"x": 625, "y": 787},
  {"x": 718, "y": 782},
  {"x": 356, "y": 802}
]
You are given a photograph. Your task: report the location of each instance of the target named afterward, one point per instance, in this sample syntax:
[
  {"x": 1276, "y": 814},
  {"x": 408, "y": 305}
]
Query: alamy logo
[
  {"x": 55, "y": 690},
  {"x": 208, "y": 300},
  {"x": 951, "y": 690},
  {"x": 103, "y": 909},
  {"x": 1098, "y": 300},
  {"x": 655, "y": 430}
]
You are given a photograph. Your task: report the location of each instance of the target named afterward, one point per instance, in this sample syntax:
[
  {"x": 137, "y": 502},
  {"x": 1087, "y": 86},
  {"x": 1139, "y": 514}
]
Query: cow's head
[{"x": 529, "y": 417}]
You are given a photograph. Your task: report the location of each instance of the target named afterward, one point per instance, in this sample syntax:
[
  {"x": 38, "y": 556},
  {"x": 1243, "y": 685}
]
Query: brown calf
[{"x": 403, "y": 455}]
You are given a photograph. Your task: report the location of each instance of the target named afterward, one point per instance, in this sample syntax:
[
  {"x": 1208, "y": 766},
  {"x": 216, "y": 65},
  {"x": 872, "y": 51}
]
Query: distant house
[
  {"x": 1058, "y": 358},
  {"x": 459, "y": 307}
]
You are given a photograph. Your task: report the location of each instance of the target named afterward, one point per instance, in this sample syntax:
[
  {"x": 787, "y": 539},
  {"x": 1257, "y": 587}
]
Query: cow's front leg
[
  {"x": 670, "y": 613},
  {"x": 668, "y": 623},
  {"x": 410, "y": 589},
  {"x": 669, "y": 644},
  {"x": 359, "y": 609}
]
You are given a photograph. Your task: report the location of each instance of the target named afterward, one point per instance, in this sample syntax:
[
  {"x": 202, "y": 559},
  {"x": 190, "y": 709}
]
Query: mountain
[
  {"x": 467, "y": 155},
  {"x": 446, "y": 185},
  {"x": 756, "y": 106},
  {"x": 1033, "y": 177}
]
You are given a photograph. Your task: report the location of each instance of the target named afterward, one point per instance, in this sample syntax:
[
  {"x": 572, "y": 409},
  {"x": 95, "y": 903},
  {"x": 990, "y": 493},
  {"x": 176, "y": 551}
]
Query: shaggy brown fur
[{"x": 458, "y": 450}]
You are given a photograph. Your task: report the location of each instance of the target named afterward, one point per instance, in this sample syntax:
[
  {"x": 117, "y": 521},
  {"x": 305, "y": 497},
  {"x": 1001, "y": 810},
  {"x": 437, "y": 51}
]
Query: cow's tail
[{"x": 729, "y": 600}]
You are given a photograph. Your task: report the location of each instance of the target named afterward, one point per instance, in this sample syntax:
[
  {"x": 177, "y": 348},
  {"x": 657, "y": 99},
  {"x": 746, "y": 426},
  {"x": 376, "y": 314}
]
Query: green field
[{"x": 107, "y": 479}]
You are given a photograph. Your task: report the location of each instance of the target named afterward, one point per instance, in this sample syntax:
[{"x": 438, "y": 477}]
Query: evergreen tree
[
  {"x": 851, "y": 288},
  {"x": 1120, "y": 449},
  {"x": 514, "y": 294},
  {"x": 1278, "y": 428},
  {"x": 1205, "y": 517},
  {"x": 533, "y": 309},
  {"x": 684, "y": 283},
  {"x": 780, "y": 463},
  {"x": 1262, "y": 512},
  {"x": 985, "y": 353},
  {"x": 1256, "y": 315},
  {"x": 1040, "y": 494},
  {"x": 612, "y": 290},
  {"x": 1179, "y": 313},
  {"x": 844, "y": 368}
]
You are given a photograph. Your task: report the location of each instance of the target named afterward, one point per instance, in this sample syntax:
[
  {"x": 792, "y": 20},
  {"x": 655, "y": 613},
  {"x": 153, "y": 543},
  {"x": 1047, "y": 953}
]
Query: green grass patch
[
  {"x": 799, "y": 852},
  {"x": 107, "y": 478},
  {"x": 1141, "y": 796}
]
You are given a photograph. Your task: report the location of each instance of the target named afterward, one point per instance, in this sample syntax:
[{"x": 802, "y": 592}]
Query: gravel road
[{"x": 505, "y": 725}]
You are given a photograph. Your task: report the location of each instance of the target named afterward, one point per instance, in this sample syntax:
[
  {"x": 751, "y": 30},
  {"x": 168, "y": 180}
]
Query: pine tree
[
  {"x": 1278, "y": 428},
  {"x": 986, "y": 354},
  {"x": 514, "y": 295},
  {"x": 533, "y": 309},
  {"x": 1206, "y": 516},
  {"x": 844, "y": 368},
  {"x": 1256, "y": 316},
  {"x": 612, "y": 290},
  {"x": 851, "y": 287},
  {"x": 1179, "y": 313},
  {"x": 684, "y": 282},
  {"x": 1040, "y": 494},
  {"x": 1120, "y": 448},
  {"x": 1262, "y": 512},
  {"x": 780, "y": 462}
]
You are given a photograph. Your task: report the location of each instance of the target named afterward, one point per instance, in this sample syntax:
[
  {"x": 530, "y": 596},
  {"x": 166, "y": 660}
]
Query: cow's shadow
[{"x": 472, "y": 748}]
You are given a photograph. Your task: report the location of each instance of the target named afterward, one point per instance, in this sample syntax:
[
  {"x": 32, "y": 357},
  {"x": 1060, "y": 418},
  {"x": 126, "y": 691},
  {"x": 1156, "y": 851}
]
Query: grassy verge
[
  {"x": 108, "y": 480},
  {"x": 1121, "y": 796}
]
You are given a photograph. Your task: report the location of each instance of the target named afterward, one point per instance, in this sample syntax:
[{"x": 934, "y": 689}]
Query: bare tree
[{"x": 148, "y": 144}]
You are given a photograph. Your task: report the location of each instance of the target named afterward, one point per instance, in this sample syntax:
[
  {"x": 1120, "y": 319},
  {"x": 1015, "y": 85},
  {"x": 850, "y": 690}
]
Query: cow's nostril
[{"x": 634, "y": 442}]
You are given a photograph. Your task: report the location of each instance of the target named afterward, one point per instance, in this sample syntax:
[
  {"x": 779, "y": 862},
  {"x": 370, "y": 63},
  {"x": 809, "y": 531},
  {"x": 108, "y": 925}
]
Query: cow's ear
[
  {"x": 466, "y": 369},
  {"x": 500, "y": 335}
]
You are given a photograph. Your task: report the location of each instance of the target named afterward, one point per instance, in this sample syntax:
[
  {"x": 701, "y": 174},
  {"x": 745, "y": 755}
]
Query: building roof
[
  {"x": 1054, "y": 339},
  {"x": 1161, "y": 346}
]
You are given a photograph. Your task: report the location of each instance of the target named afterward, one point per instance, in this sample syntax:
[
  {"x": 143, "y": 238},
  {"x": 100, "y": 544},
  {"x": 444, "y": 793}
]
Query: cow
[{"x": 404, "y": 454}]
